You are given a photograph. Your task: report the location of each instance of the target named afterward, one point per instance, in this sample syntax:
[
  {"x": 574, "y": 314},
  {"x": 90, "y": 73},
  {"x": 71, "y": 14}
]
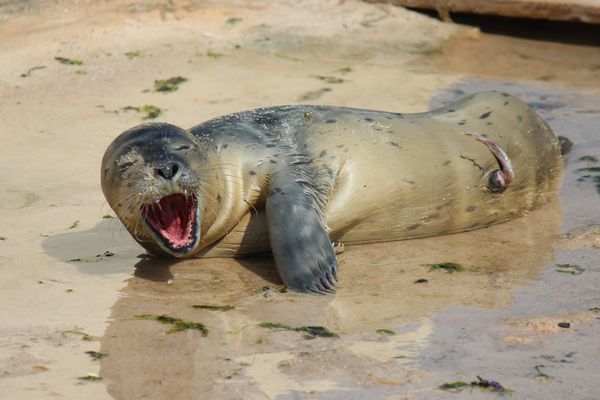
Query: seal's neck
[{"x": 230, "y": 194}]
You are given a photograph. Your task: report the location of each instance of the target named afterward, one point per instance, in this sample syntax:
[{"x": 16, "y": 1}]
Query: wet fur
[{"x": 292, "y": 178}]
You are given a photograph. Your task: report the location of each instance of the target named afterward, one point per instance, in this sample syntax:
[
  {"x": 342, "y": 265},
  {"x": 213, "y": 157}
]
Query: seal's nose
[{"x": 168, "y": 171}]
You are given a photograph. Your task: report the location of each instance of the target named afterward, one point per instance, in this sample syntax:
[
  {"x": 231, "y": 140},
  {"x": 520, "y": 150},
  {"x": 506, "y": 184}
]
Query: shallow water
[
  {"x": 497, "y": 318},
  {"x": 377, "y": 292}
]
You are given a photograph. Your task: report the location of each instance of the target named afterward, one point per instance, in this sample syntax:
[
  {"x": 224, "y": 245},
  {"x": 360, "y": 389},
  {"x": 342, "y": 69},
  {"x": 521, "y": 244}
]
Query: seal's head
[{"x": 151, "y": 177}]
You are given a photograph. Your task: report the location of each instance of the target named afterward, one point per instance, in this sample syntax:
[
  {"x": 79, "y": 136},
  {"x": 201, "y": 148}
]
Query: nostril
[
  {"x": 168, "y": 171},
  {"x": 174, "y": 169}
]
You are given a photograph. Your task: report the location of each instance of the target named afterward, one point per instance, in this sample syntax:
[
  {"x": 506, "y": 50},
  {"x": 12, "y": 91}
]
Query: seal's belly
[
  {"x": 402, "y": 176},
  {"x": 407, "y": 176}
]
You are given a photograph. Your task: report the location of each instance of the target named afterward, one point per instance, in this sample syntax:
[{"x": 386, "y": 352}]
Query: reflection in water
[{"x": 377, "y": 292}]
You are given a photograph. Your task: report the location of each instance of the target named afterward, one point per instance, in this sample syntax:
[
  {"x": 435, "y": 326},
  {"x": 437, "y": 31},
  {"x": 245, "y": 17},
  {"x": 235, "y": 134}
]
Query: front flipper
[{"x": 303, "y": 253}]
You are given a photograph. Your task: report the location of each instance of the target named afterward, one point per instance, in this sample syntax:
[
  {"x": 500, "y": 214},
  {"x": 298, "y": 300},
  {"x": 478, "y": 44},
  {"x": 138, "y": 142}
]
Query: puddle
[
  {"x": 105, "y": 249},
  {"x": 376, "y": 292}
]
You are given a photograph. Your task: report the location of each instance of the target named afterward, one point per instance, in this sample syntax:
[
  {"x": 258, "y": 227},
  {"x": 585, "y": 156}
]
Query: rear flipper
[
  {"x": 303, "y": 253},
  {"x": 498, "y": 179},
  {"x": 565, "y": 145}
]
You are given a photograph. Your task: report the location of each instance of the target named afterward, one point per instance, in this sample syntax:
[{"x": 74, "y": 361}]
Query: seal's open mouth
[{"x": 173, "y": 221}]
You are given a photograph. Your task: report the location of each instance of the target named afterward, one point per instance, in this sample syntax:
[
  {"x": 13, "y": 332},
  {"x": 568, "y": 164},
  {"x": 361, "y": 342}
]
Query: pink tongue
[{"x": 172, "y": 218}]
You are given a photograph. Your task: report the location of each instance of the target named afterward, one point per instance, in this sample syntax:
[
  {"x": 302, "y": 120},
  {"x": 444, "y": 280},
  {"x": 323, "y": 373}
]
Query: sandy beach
[{"x": 77, "y": 73}]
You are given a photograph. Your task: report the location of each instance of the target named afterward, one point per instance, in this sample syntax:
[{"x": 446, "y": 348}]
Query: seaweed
[
  {"x": 430, "y": 51},
  {"x": 274, "y": 325},
  {"x": 74, "y": 225},
  {"x": 98, "y": 257},
  {"x": 133, "y": 54},
  {"x": 385, "y": 332},
  {"x": 565, "y": 325},
  {"x": 453, "y": 386},
  {"x": 312, "y": 331},
  {"x": 96, "y": 355},
  {"x": 308, "y": 115},
  {"x": 68, "y": 61},
  {"x": 69, "y": 290},
  {"x": 484, "y": 383},
  {"x": 314, "y": 95},
  {"x": 287, "y": 57},
  {"x": 541, "y": 374},
  {"x": 283, "y": 289},
  {"x": 168, "y": 85},
  {"x": 90, "y": 377},
  {"x": 3, "y": 238},
  {"x": 30, "y": 70},
  {"x": 178, "y": 325},
  {"x": 214, "y": 307},
  {"x": 214, "y": 54},
  {"x": 594, "y": 309},
  {"x": 105, "y": 110},
  {"x": 449, "y": 267},
  {"x": 233, "y": 21},
  {"x": 150, "y": 110},
  {"x": 77, "y": 331},
  {"x": 594, "y": 178},
  {"x": 421, "y": 280},
  {"x": 344, "y": 70},
  {"x": 588, "y": 169},
  {"x": 480, "y": 382},
  {"x": 329, "y": 79},
  {"x": 107, "y": 216},
  {"x": 588, "y": 159},
  {"x": 572, "y": 269}
]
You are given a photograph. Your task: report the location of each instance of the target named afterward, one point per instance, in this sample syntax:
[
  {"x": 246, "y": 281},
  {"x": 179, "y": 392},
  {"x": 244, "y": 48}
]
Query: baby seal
[{"x": 292, "y": 179}]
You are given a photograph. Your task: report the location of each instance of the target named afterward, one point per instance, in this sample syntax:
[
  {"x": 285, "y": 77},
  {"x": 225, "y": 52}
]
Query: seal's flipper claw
[
  {"x": 332, "y": 281},
  {"x": 327, "y": 286},
  {"x": 315, "y": 290},
  {"x": 339, "y": 247},
  {"x": 304, "y": 264},
  {"x": 303, "y": 253}
]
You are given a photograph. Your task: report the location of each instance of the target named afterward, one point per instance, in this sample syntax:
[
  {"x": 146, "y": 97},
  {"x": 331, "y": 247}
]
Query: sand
[{"x": 63, "y": 295}]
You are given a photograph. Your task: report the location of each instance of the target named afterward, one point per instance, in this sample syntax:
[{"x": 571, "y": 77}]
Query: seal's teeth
[{"x": 172, "y": 221}]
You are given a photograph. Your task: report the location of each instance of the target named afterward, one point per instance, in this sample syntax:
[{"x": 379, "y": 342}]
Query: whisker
[{"x": 252, "y": 207}]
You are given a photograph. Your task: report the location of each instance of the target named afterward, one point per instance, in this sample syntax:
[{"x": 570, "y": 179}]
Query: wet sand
[{"x": 63, "y": 295}]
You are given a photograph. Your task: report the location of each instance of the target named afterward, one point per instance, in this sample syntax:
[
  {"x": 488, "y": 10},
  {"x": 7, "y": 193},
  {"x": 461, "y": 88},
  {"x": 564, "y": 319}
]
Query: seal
[{"x": 292, "y": 179}]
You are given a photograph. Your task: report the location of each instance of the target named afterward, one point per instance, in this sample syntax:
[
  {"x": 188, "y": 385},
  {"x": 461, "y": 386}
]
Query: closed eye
[
  {"x": 183, "y": 147},
  {"x": 124, "y": 166}
]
